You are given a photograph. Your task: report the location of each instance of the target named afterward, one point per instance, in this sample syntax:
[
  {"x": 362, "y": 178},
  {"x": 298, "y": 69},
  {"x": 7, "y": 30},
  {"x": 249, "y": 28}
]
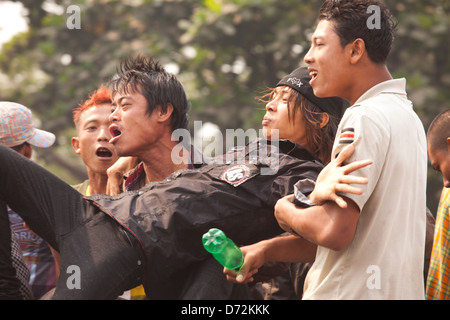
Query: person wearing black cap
[
  {"x": 322, "y": 115},
  {"x": 152, "y": 236},
  {"x": 299, "y": 80},
  {"x": 369, "y": 245},
  {"x": 299, "y": 116}
]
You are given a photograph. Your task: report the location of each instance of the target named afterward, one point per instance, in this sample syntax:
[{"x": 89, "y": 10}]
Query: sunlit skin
[
  {"x": 333, "y": 68},
  {"x": 440, "y": 161},
  {"x": 92, "y": 144},
  {"x": 136, "y": 131},
  {"x": 277, "y": 118},
  {"x": 146, "y": 137}
]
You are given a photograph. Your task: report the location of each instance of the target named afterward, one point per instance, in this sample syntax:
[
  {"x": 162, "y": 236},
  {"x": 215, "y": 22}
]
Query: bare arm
[
  {"x": 287, "y": 249},
  {"x": 332, "y": 224},
  {"x": 327, "y": 225}
]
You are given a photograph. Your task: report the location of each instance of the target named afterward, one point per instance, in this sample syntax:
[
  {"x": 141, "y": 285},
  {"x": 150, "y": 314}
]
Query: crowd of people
[{"x": 331, "y": 204}]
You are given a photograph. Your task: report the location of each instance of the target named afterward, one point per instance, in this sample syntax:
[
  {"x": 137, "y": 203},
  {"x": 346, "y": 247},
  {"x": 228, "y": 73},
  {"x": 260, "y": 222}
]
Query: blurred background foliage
[{"x": 225, "y": 52}]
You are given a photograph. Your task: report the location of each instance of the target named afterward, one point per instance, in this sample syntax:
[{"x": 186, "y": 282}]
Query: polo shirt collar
[{"x": 395, "y": 86}]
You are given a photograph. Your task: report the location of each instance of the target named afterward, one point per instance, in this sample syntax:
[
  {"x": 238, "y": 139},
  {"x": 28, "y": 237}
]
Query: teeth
[
  {"x": 313, "y": 73},
  {"x": 103, "y": 152}
]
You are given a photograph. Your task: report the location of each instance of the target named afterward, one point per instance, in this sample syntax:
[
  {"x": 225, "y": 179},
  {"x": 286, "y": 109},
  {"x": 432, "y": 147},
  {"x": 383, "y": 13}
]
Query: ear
[
  {"x": 357, "y": 50},
  {"x": 448, "y": 144},
  {"x": 324, "y": 119},
  {"x": 165, "y": 115},
  {"x": 76, "y": 145},
  {"x": 27, "y": 150}
]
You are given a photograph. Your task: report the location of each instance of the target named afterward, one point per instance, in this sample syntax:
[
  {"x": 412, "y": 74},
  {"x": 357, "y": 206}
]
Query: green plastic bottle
[{"x": 223, "y": 249}]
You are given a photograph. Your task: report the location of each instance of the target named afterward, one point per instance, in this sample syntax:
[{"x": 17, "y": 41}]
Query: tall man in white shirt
[{"x": 369, "y": 246}]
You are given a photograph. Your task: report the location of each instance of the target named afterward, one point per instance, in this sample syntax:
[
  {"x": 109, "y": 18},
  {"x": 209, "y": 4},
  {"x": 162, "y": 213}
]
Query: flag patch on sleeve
[{"x": 347, "y": 136}]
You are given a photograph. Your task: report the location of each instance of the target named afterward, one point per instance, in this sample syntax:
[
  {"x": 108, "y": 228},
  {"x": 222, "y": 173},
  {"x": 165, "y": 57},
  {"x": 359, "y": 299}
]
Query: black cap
[{"x": 299, "y": 81}]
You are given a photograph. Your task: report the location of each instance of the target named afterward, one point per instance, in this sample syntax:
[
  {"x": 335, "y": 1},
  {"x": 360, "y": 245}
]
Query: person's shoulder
[{"x": 81, "y": 187}]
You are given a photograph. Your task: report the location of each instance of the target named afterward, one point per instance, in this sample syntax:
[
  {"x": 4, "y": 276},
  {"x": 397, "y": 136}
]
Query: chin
[
  {"x": 319, "y": 93},
  {"x": 324, "y": 93},
  {"x": 122, "y": 153},
  {"x": 269, "y": 133}
]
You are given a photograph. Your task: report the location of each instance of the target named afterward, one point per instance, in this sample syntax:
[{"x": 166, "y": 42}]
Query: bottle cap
[{"x": 214, "y": 240}]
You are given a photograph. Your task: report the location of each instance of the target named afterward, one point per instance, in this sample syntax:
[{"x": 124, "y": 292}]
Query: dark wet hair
[{"x": 145, "y": 75}]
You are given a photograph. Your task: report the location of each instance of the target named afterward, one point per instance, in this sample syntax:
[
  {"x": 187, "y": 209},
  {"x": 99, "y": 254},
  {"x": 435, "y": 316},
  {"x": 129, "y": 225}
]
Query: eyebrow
[
  {"x": 315, "y": 38},
  {"x": 90, "y": 121},
  {"x": 120, "y": 100}
]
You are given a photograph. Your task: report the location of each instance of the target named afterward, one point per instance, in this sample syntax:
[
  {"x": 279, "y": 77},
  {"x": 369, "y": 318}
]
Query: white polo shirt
[{"x": 386, "y": 256}]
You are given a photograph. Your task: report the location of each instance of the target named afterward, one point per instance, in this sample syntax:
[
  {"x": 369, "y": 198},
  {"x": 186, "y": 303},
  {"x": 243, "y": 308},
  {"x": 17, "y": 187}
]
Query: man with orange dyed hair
[{"x": 91, "y": 119}]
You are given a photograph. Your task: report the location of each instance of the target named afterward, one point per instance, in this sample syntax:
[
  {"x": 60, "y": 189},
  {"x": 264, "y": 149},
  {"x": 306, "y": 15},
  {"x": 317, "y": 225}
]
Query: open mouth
[
  {"x": 313, "y": 74},
  {"x": 103, "y": 153},
  {"x": 115, "y": 133}
]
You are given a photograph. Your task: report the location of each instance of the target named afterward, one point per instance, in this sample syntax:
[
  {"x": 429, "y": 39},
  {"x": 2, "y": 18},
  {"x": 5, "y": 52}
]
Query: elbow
[
  {"x": 338, "y": 230},
  {"x": 338, "y": 246},
  {"x": 335, "y": 240}
]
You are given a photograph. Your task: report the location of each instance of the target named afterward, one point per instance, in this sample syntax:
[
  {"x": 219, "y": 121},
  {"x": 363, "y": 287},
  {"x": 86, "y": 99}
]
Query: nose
[
  {"x": 114, "y": 116},
  {"x": 271, "y": 106},
  {"x": 308, "y": 57},
  {"x": 104, "y": 134}
]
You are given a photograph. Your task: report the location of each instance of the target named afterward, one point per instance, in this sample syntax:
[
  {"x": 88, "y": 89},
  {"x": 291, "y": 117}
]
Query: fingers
[
  {"x": 115, "y": 179},
  {"x": 241, "y": 276},
  {"x": 345, "y": 154},
  {"x": 111, "y": 192},
  {"x": 355, "y": 165},
  {"x": 338, "y": 200},
  {"x": 345, "y": 188},
  {"x": 253, "y": 259},
  {"x": 352, "y": 180},
  {"x": 112, "y": 189}
]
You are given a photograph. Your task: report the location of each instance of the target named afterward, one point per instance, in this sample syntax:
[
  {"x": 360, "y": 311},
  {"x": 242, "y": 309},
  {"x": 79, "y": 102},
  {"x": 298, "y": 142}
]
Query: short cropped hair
[
  {"x": 439, "y": 131},
  {"x": 98, "y": 97},
  {"x": 350, "y": 18},
  {"x": 144, "y": 75}
]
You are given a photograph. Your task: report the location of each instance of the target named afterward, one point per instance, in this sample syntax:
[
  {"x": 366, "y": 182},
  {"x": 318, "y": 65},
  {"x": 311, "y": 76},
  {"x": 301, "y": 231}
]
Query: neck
[
  {"x": 158, "y": 162},
  {"x": 368, "y": 77},
  {"x": 97, "y": 182}
]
